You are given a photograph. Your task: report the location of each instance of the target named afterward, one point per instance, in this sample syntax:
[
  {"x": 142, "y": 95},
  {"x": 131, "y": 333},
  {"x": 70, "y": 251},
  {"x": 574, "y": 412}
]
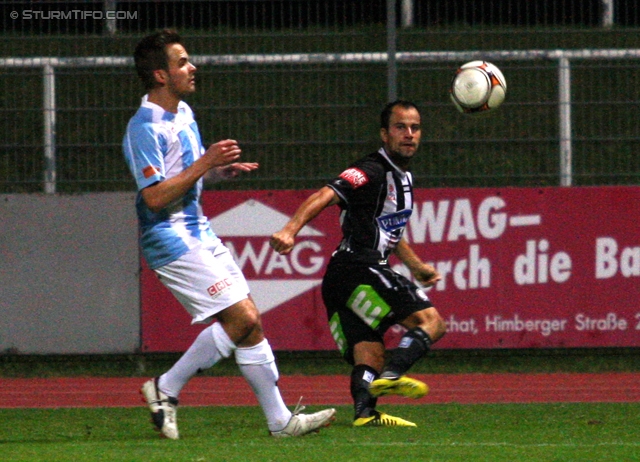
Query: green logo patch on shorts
[
  {"x": 368, "y": 305},
  {"x": 336, "y": 331}
]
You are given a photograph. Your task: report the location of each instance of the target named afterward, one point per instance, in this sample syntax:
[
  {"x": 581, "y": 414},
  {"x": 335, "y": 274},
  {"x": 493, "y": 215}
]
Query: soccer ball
[{"x": 478, "y": 86}]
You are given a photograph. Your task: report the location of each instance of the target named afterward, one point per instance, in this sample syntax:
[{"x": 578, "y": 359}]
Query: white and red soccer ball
[{"x": 478, "y": 86}]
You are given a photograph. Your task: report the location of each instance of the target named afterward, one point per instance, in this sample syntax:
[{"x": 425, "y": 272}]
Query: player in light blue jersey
[{"x": 163, "y": 149}]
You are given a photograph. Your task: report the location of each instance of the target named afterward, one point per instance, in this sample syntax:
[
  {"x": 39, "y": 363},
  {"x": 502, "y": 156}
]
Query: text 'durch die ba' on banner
[{"x": 521, "y": 267}]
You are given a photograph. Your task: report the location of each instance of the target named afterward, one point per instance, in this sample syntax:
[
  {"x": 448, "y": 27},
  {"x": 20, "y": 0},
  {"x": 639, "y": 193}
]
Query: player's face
[
  {"x": 402, "y": 138},
  {"x": 181, "y": 80}
]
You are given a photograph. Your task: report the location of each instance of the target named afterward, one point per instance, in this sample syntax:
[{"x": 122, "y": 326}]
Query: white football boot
[
  {"x": 164, "y": 409},
  {"x": 302, "y": 424}
]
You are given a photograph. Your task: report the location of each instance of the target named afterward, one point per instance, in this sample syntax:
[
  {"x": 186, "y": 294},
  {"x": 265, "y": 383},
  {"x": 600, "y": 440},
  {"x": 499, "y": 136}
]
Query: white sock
[
  {"x": 210, "y": 346},
  {"x": 258, "y": 367}
]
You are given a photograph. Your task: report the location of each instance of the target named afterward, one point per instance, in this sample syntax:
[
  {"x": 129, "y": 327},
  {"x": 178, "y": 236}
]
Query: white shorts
[{"x": 204, "y": 283}]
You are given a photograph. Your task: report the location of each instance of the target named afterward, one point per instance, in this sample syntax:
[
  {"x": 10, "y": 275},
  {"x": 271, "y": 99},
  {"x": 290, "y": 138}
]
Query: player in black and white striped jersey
[{"x": 363, "y": 295}]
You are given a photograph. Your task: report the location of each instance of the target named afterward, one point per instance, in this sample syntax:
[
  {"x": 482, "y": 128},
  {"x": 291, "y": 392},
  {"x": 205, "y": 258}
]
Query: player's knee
[
  {"x": 242, "y": 323},
  {"x": 251, "y": 320},
  {"x": 441, "y": 327},
  {"x": 249, "y": 329},
  {"x": 430, "y": 321},
  {"x": 438, "y": 326}
]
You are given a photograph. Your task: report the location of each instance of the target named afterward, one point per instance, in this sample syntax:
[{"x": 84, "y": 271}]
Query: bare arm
[
  {"x": 163, "y": 193},
  {"x": 229, "y": 171},
  {"x": 284, "y": 240},
  {"x": 424, "y": 273}
]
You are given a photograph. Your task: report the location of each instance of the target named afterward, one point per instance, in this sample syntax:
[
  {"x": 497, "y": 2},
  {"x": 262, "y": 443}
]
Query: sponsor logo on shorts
[
  {"x": 368, "y": 305},
  {"x": 355, "y": 176},
  {"x": 219, "y": 287}
]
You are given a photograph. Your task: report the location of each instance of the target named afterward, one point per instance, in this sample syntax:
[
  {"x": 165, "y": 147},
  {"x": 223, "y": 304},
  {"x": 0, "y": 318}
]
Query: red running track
[{"x": 327, "y": 390}]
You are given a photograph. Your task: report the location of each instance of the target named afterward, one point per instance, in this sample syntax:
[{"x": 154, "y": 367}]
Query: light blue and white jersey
[{"x": 158, "y": 145}]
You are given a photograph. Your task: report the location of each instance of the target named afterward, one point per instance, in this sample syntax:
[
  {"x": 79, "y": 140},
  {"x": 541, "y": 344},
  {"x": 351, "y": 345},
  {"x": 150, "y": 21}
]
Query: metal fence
[{"x": 300, "y": 85}]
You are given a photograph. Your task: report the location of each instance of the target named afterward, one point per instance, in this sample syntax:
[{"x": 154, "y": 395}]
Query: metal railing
[
  {"x": 302, "y": 105},
  {"x": 563, "y": 58}
]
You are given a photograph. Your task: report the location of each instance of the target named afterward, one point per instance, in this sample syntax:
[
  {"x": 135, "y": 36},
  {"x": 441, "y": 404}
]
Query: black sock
[
  {"x": 413, "y": 346},
  {"x": 361, "y": 376}
]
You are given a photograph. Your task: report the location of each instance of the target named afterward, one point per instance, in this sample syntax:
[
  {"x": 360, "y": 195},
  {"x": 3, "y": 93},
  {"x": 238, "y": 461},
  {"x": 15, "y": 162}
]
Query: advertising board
[{"x": 521, "y": 267}]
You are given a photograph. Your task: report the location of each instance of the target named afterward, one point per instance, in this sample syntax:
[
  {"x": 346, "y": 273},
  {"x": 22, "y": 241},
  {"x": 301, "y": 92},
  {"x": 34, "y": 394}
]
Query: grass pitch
[
  {"x": 446, "y": 432},
  {"x": 452, "y": 432}
]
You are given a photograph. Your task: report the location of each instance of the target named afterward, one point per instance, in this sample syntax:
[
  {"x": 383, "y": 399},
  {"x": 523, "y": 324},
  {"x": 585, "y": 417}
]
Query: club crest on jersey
[
  {"x": 391, "y": 192},
  {"x": 355, "y": 176},
  {"x": 219, "y": 287},
  {"x": 395, "y": 220}
]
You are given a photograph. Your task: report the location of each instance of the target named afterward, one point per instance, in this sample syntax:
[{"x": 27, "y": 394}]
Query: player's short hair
[
  {"x": 151, "y": 55},
  {"x": 385, "y": 115}
]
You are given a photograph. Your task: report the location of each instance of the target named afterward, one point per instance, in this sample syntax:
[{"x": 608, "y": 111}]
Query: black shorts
[{"x": 364, "y": 301}]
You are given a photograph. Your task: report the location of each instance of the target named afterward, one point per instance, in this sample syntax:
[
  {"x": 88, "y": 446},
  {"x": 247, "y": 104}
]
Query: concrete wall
[{"x": 69, "y": 269}]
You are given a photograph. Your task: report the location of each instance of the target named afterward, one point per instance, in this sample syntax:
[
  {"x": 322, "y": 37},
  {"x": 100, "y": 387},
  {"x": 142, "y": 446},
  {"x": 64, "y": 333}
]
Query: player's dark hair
[
  {"x": 151, "y": 55},
  {"x": 385, "y": 115}
]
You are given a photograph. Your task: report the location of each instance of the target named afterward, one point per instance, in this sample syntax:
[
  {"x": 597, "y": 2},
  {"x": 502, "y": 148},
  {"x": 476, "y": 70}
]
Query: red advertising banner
[{"x": 521, "y": 267}]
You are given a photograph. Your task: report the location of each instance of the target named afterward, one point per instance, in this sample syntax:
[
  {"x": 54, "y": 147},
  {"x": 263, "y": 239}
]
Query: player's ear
[
  {"x": 161, "y": 76},
  {"x": 384, "y": 135}
]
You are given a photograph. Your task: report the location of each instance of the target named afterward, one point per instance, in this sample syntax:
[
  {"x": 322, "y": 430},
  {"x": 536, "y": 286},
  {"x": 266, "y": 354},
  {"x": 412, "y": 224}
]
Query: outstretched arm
[
  {"x": 424, "y": 273},
  {"x": 229, "y": 171},
  {"x": 284, "y": 240},
  {"x": 161, "y": 194}
]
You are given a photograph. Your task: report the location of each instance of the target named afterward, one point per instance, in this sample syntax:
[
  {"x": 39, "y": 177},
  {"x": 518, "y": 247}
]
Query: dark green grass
[
  {"x": 505, "y": 432},
  {"x": 451, "y": 432}
]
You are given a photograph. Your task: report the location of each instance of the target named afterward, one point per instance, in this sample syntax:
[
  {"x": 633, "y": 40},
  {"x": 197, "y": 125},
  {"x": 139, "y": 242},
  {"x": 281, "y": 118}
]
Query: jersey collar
[
  {"x": 165, "y": 115},
  {"x": 384, "y": 154}
]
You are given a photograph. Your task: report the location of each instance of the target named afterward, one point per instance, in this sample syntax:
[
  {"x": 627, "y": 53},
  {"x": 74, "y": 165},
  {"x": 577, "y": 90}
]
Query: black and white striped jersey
[{"x": 377, "y": 201}]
